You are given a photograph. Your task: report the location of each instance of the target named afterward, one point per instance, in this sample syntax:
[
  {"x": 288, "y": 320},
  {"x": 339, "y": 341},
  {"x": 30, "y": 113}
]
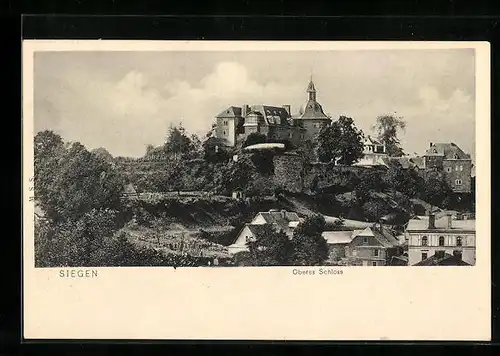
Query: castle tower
[
  {"x": 311, "y": 90},
  {"x": 311, "y": 116}
]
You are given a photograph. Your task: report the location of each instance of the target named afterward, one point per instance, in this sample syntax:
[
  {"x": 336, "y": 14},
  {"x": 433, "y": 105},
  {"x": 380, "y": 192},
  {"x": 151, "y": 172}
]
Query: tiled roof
[
  {"x": 312, "y": 110},
  {"x": 273, "y": 115},
  {"x": 337, "y": 237},
  {"x": 232, "y": 111},
  {"x": 446, "y": 260},
  {"x": 409, "y": 162},
  {"x": 371, "y": 141},
  {"x": 382, "y": 234},
  {"x": 256, "y": 230},
  {"x": 447, "y": 150},
  {"x": 276, "y": 217},
  {"x": 441, "y": 223}
]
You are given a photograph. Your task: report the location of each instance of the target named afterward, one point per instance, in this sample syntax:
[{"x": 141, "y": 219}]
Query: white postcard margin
[{"x": 364, "y": 303}]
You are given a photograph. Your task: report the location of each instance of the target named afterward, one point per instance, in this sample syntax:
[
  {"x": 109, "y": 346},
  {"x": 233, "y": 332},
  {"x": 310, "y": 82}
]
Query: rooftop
[
  {"x": 441, "y": 223},
  {"x": 337, "y": 237},
  {"x": 381, "y": 233},
  {"x": 444, "y": 260},
  {"x": 446, "y": 150}
]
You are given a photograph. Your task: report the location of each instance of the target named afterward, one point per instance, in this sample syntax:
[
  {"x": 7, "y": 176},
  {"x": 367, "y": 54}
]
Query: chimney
[
  {"x": 283, "y": 213},
  {"x": 449, "y": 217},
  {"x": 288, "y": 109},
  {"x": 432, "y": 221},
  {"x": 244, "y": 110}
]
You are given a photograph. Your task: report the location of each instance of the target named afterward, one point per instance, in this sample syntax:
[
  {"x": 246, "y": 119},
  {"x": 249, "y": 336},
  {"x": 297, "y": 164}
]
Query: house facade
[
  {"x": 445, "y": 234},
  {"x": 374, "y": 153},
  {"x": 337, "y": 242},
  {"x": 281, "y": 220},
  {"x": 373, "y": 246},
  {"x": 455, "y": 164}
]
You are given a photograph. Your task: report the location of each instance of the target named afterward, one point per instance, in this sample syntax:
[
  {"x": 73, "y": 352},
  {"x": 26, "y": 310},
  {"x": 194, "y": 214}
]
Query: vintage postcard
[{"x": 256, "y": 190}]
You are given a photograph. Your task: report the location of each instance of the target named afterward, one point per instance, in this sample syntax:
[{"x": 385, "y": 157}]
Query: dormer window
[{"x": 434, "y": 151}]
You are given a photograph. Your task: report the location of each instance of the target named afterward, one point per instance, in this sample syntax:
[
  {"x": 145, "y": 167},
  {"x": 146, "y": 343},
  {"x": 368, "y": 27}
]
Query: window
[
  {"x": 458, "y": 182},
  {"x": 459, "y": 241},
  {"x": 441, "y": 241},
  {"x": 375, "y": 253},
  {"x": 456, "y": 156},
  {"x": 456, "y": 168},
  {"x": 365, "y": 240},
  {"x": 435, "y": 151},
  {"x": 354, "y": 253},
  {"x": 424, "y": 241},
  {"x": 224, "y": 132},
  {"x": 448, "y": 169},
  {"x": 424, "y": 256},
  {"x": 461, "y": 168},
  {"x": 374, "y": 263}
]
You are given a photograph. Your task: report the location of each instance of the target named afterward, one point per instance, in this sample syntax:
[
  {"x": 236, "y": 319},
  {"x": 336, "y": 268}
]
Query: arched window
[
  {"x": 459, "y": 241},
  {"x": 456, "y": 156},
  {"x": 424, "y": 240},
  {"x": 441, "y": 240}
]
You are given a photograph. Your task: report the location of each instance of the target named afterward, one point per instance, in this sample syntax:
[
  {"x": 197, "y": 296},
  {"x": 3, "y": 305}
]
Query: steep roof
[
  {"x": 382, "y": 234},
  {"x": 337, "y": 237},
  {"x": 311, "y": 88},
  {"x": 447, "y": 151},
  {"x": 371, "y": 141},
  {"x": 256, "y": 230},
  {"x": 276, "y": 217},
  {"x": 232, "y": 111},
  {"x": 273, "y": 115},
  {"x": 409, "y": 162},
  {"x": 312, "y": 110},
  {"x": 446, "y": 260}
]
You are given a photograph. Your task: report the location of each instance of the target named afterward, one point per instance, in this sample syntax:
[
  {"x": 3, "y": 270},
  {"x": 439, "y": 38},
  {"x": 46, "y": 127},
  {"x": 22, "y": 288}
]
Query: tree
[
  {"x": 309, "y": 248},
  {"x": 178, "y": 143},
  {"x": 435, "y": 190},
  {"x": 341, "y": 142},
  {"x": 387, "y": 129},
  {"x": 403, "y": 180},
  {"x": 71, "y": 181},
  {"x": 103, "y": 154},
  {"x": 149, "y": 149},
  {"x": 75, "y": 243},
  {"x": 270, "y": 247},
  {"x": 254, "y": 138}
]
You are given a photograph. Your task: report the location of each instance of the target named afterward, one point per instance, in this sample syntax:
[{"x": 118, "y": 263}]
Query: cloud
[
  {"x": 127, "y": 115},
  {"x": 124, "y": 103}
]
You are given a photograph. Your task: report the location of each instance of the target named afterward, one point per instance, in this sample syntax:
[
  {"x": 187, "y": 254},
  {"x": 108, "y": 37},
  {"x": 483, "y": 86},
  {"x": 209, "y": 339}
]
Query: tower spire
[{"x": 311, "y": 89}]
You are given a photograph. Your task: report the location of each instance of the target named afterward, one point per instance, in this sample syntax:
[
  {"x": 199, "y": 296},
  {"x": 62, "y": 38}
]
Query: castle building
[
  {"x": 374, "y": 153},
  {"x": 311, "y": 116},
  {"x": 275, "y": 122},
  {"x": 449, "y": 159}
]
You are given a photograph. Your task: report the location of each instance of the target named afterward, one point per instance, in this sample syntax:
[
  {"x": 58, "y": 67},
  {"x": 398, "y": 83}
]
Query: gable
[
  {"x": 242, "y": 237},
  {"x": 370, "y": 241},
  {"x": 258, "y": 220}
]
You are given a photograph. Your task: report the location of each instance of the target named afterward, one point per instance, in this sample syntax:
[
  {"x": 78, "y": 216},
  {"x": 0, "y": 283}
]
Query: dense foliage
[
  {"x": 388, "y": 127},
  {"x": 340, "y": 142}
]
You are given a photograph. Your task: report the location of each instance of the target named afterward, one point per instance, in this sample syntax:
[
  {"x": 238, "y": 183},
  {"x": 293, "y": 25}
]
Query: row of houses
[{"x": 437, "y": 239}]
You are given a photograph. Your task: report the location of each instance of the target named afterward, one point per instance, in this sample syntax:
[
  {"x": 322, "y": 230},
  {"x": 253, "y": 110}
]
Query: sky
[{"x": 123, "y": 101}]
